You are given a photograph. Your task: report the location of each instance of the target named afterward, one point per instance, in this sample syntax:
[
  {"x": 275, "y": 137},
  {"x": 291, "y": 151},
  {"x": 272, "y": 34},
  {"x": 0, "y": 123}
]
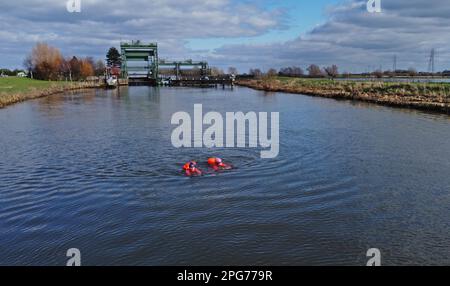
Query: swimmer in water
[
  {"x": 217, "y": 164},
  {"x": 191, "y": 169}
]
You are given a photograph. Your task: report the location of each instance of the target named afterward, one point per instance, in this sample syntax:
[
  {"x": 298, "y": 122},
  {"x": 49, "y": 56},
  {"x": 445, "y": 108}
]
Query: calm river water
[{"x": 96, "y": 170}]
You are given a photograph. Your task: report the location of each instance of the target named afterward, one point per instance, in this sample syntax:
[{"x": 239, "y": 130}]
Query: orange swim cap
[{"x": 212, "y": 161}]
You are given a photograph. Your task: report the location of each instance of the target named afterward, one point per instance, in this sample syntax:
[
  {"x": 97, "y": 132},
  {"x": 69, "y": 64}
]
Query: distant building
[
  {"x": 21, "y": 74},
  {"x": 113, "y": 71}
]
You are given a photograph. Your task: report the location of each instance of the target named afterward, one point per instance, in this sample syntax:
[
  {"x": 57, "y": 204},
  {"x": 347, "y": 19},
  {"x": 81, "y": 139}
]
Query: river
[{"x": 96, "y": 170}]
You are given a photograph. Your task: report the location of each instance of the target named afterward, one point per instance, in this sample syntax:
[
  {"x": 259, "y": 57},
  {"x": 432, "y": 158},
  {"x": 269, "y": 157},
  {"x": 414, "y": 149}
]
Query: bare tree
[
  {"x": 412, "y": 72},
  {"x": 233, "y": 70},
  {"x": 255, "y": 73},
  {"x": 66, "y": 69},
  {"x": 45, "y": 61},
  {"x": 315, "y": 71},
  {"x": 99, "y": 68},
  {"x": 292, "y": 71},
  {"x": 28, "y": 64},
  {"x": 332, "y": 71},
  {"x": 75, "y": 68},
  {"x": 216, "y": 71},
  {"x": 378, "y": 73},
  {"x": 272, "y": 72},
  {"x": 389, "y": 73}
]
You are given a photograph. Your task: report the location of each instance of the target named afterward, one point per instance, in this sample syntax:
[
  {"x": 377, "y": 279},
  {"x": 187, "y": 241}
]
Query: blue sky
[
  {"x": 244, "y": 34},
  {"x": 300, "y": 17}
]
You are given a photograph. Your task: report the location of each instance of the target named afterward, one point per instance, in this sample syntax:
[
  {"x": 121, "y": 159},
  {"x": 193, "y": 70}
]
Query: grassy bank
[
  {"x": 427, "y": 96},
  {"x": 14, "y": 89}
]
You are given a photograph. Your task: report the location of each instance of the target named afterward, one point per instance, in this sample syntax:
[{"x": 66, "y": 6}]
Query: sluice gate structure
[
  {"x": 141, "y": 66},
  {"x": 139, "y": 63}
]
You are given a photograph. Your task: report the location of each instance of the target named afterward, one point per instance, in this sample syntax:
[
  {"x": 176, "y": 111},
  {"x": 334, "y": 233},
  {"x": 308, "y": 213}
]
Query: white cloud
[
  {"x": 357, "y": 40},
  {"x": 103, "y": 23}
]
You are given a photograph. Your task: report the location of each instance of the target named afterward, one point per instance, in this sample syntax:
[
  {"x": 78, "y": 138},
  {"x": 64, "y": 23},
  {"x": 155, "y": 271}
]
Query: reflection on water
[{"x": 95, "y": 170}]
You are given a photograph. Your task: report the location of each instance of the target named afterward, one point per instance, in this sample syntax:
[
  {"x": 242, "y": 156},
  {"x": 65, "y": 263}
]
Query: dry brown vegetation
[{"x": 428, "y": 96}]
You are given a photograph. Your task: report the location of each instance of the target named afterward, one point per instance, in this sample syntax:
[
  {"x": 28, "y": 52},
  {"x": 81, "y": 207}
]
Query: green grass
[
  {"x": 17, "y": 85},
  {"x": 15, "y": 89}
]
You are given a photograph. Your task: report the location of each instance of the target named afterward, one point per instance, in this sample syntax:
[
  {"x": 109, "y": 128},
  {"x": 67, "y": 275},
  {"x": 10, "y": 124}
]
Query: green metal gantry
[
  {"x": 203, "y": 66},
  {"x": 139, "y": 60}
]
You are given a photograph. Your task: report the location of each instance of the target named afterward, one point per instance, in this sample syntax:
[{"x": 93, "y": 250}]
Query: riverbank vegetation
[
  {"x": 429, "y": 96},
  {"x": 14, "y": 89}
]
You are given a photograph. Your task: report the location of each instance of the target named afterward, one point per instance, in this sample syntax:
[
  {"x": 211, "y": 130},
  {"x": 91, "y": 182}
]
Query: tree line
[
  {"x": 47, "y": 63},
  {"x": 8, "y": 72},
  {"x": 315, "y": 71},
  {"x": 312, "y": 71}
]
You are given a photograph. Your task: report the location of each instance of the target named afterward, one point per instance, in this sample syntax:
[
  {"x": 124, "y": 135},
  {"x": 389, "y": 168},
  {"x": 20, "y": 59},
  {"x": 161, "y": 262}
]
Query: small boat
[{"x": 112, "y": 81}]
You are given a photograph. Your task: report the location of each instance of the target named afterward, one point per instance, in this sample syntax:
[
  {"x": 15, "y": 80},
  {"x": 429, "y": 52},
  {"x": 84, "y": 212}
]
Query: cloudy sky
[{"x": 244, "y": 33}]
